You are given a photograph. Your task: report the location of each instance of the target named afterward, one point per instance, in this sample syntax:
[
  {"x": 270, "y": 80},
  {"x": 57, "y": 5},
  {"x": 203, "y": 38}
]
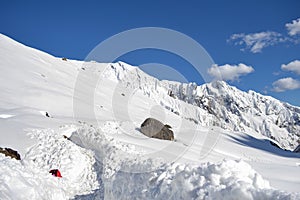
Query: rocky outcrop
[
  {"x": 11, "y": 153},
  {"x": 297, "y": 150},
  {"x": 155, "y": 129}
]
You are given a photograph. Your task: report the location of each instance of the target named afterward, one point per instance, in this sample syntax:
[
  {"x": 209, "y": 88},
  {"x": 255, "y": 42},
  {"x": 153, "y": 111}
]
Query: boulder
[
  {"x": 11, "y": 153},
  {"x": 155, "y": 129}
]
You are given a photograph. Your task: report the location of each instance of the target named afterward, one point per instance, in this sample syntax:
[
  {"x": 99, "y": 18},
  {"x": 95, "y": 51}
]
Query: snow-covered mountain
[
  {"x": 219, "y": 104},
  {"x": 100, "y": 106}
]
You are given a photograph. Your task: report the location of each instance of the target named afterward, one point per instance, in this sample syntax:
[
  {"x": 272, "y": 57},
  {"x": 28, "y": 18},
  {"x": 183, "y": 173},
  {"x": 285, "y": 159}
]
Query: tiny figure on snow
[{"x": 55, "y": 172}]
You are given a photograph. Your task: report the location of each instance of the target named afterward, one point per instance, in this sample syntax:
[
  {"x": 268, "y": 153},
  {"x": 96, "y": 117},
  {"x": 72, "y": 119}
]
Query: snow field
[{"x": 116, "y": 170}]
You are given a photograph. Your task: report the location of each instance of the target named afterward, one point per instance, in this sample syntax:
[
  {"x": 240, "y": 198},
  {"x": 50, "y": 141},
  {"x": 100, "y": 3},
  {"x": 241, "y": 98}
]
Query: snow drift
[{"x": 111, "y": 179}]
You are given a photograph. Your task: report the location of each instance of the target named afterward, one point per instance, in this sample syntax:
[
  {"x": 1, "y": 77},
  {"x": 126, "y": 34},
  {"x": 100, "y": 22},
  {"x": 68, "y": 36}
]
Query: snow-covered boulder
[{"x": 155, "y": 129}]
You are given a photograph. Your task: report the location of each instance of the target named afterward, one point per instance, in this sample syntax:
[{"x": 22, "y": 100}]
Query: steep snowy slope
[
  {"x": 248, "y": 112},
  {"x": 100, "y": 107},
  {"x": 221, "y": 105}
]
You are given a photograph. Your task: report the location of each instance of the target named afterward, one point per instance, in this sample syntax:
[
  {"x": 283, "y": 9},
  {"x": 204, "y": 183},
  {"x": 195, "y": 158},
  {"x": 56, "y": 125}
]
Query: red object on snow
[{"x": 55, "y": 172}]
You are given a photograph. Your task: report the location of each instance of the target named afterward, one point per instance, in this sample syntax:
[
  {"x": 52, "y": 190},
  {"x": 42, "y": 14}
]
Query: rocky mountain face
[{"x": 236, "y": 110}]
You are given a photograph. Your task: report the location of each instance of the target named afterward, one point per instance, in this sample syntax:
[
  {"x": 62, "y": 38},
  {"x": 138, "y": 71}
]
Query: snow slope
[
  {"x": 107, "y": 156},
  {"x": 221, "y": 105}
]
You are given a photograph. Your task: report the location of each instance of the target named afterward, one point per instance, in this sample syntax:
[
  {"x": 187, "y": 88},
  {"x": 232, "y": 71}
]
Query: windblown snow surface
[{"x": 83, "y": 118}]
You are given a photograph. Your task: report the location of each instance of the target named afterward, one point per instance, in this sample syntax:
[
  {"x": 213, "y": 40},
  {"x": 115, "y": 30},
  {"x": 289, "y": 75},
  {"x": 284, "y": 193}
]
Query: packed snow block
[
  {"x": 155, "y": 129},
  {"x": 11, "y": 153}
]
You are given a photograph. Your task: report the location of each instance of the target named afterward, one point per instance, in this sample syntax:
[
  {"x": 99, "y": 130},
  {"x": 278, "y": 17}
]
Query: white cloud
[
  {"x": 293, "y": 66},
  {"x": 284, "y": 84},
  {"x": 294, "y": 27},
  {"x": 255, "y": 42},
  {"x": 229, "y": 72}
]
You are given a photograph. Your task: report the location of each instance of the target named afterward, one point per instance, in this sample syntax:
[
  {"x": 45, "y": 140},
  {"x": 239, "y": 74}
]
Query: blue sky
[{"x": 251, "y": 42}]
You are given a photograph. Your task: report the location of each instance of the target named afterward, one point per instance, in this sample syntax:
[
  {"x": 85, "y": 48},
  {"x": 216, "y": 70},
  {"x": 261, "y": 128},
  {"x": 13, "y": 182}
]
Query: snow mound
[
  {"x": 18, "y": 182},
  {"x": 128, "y": 175},
  {"x": 31, "y": 177},
  {"x": 75, "y": 164},
  {"x": 226, "y": 180},
  {"x": 112, "y": 154}
]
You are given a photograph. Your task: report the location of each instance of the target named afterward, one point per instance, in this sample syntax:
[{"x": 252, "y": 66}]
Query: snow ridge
[{"x": 219, "y": 104}]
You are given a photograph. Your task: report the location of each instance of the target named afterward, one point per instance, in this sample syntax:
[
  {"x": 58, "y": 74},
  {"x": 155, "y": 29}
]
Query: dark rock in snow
[
  {"x": 275, "y": 145},
  {"x": 155, "y": 129},
  {"x": 66, "y": 137},
  {"x": 171, "y": 94},
  {"x": 297, "y": 150},
  {"x": 47, "y": 114},
  {"x": 11, "y": 153}
]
